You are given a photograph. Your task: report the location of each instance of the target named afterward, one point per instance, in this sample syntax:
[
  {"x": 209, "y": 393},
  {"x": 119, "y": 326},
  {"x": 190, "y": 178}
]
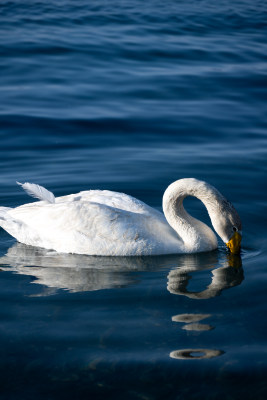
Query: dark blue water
[{"x": 130, "y": 96}]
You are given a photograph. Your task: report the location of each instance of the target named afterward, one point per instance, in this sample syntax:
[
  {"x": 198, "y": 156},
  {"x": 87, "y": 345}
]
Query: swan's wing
[
  {"x": 116, "y": 200},
  {"x": 87, "y": 228}
]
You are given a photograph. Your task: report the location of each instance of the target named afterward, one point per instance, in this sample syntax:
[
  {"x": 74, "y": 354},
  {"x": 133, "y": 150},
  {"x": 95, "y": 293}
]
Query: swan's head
[{"x": 227, "y": 224}]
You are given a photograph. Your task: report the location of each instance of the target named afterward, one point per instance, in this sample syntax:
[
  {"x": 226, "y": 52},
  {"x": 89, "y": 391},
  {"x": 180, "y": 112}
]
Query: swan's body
[{"x": 114, "y": 224}]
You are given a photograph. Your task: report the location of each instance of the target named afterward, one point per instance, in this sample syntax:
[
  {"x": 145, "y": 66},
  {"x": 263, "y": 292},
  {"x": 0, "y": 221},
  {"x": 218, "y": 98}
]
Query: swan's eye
[{"x": 234, "y": 229}]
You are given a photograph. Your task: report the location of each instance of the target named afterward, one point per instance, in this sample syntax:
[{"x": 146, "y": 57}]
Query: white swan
[{"x": 106, "y": 223}]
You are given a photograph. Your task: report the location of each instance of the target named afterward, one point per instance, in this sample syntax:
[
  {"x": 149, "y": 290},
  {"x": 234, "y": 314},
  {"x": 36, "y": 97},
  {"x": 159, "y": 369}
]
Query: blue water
[{"x": 130, "y": 96}]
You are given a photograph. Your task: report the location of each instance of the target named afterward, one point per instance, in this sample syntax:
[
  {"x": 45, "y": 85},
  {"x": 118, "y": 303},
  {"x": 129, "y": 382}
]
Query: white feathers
[
  {"x": 6, "y": 218},
  {"x": 106, "y": 223},
  {"x": 3, "y": 213},
  {"x": 37, "y": 191}
]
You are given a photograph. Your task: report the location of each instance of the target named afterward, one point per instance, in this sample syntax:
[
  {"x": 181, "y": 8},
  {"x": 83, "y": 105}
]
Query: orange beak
[{"x": 234, "y": 244}]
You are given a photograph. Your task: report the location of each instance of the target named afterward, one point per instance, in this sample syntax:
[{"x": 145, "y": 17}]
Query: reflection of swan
[
  {"x": 195, "y": 354},
  {"x": 107, "y": 223},
  {"x": 74, "y": 272},
  {"x": 190, "y": 318},
  {"x": 197, "y": 327},
  {"x": 224, "y": 277},
  {"x": 192, "y": 322}
]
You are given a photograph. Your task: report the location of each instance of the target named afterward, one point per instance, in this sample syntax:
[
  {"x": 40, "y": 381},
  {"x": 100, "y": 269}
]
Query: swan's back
[{"x": 112, "y": 199}]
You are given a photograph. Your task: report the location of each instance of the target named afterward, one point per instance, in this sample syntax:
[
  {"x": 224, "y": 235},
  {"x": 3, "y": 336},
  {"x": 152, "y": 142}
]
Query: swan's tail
[
  {"x": 3, "y": 214},
  {"x": 37, "y": 191},
  {"x": 16, "y": 227},
  {"x": 13, "y": 226},
  {"x": 5, "y": 218}
]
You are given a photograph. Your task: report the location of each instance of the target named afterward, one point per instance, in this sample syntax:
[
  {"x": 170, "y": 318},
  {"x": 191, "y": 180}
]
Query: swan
[{"x": 106, "y": 223}]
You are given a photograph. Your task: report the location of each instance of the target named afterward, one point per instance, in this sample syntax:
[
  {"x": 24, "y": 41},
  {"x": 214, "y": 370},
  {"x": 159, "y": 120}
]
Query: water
[{"x": 130, "y": 96}]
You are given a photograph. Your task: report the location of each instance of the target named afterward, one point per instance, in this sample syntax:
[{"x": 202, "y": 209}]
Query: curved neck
[{"x": 195, "y": 234}]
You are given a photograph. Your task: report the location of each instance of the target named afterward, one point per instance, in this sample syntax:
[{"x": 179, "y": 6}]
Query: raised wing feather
[{"x": 37, "y": 191}]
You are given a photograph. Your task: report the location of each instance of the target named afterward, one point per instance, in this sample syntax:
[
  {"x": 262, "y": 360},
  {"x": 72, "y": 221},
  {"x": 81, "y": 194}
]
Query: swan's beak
[{"x": 234, "y": 244}]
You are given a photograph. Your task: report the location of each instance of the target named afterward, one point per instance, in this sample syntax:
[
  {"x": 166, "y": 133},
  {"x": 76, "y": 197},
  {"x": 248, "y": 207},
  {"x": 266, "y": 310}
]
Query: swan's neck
[{"x": 196, "y": 235}]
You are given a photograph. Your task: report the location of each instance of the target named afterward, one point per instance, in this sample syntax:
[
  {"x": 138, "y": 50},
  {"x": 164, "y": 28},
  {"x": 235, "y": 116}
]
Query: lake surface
[{"x": 130, "y": 96}]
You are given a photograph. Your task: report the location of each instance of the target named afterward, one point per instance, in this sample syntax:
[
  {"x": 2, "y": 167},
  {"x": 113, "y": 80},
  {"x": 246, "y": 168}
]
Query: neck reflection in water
[{"x": 229, "y": 274}]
